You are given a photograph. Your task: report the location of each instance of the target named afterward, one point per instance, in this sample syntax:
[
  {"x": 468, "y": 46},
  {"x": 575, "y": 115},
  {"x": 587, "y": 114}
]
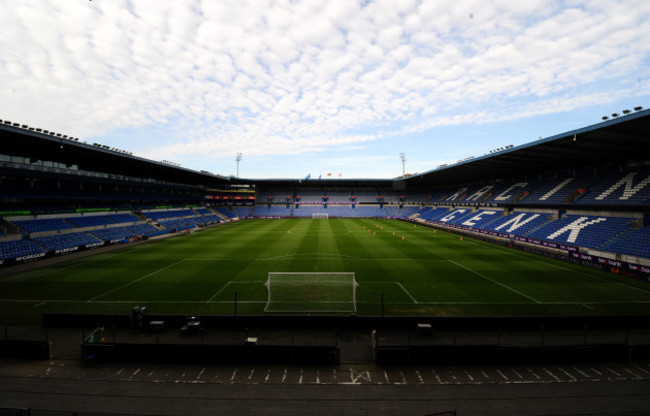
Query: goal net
[
  {"x": 319, "y": 216},
  {"x": 299, "y": 292}
]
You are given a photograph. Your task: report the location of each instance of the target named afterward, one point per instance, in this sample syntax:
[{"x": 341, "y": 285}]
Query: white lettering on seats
[
  {"x": 554, "y": 190},
  {"x": 575, "y": 227},
  {"x": 629, "y": 189},
  {"x": 516, "y": 222},
  {"x": 456, "y": 195},
  {"x": 452, "y": 215},
  {"x": 479, "y": 194},
  {"x": 504, "y": 195},
  {"x": 472, "y": 221}
]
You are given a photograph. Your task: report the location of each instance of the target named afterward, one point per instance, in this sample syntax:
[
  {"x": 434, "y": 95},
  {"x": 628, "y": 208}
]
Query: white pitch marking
[
  {"x": 469, "y": 376},
  {"x": 234, "y": 374},
  {"x": 301, "y": 376},
  {"x": 217, "y": 294},
  {"x": 119, "y": 372},
  {"x": 134, "y": 281},
  {"x": 502, "y": 375},
  {"x": 193, "y": 302},
  {"x": 406, "y": 291},
  {"x": 495, "y": 282},
  {"x": 567, "y": 269},
  {"x": 284, "y": 376},
  {"x": 268, "y": 375},
  {"x": 251, "y": 374},
  {"x": 386, "y": 377},
  {"x": 92, "y": 259},
  {"x": 518, "y": 374},
  {"x": 317, "y": 376}
]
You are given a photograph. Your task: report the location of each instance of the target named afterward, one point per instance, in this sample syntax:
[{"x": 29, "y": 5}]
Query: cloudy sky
[{"x": 320, "y": 87}]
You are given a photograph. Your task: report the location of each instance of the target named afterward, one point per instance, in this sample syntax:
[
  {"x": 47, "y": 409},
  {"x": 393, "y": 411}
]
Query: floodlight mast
[
  {"x": 403, "y": 157},
  {"x": 238, "y": 159}
]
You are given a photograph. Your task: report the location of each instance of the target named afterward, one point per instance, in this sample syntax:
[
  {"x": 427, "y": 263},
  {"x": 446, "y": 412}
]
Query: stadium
[
  {"x": 535, "y": 253},
  {"x": 500, "y": 268}
]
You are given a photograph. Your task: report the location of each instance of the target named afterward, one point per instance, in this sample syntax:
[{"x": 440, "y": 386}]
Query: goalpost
[
  {"x": 299, "y": 292},
  {"x": 319, "y": 216}
]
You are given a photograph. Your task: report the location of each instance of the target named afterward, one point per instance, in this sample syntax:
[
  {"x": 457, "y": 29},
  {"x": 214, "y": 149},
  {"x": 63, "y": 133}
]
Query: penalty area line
[
  {"x": 407, "y": 292},
  {"x": 134, "y": 281},
  {"x": 211, "y": 300},
  {"x": 495, "y": 282},
  {"x": 217, "y": 294}
]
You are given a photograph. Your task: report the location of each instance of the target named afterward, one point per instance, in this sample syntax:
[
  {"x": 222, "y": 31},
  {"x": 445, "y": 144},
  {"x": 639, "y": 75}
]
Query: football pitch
[{"x": 415, "y": 270}]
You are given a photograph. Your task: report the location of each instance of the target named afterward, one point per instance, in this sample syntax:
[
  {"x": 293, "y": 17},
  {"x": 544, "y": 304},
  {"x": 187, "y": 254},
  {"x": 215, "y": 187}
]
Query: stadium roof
[
  {"x": 17, "y": 140},
  {"x": 621, "y": 140}
]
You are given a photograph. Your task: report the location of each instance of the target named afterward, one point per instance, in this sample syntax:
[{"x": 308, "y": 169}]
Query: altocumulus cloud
[{"x": 288, "y": 77}]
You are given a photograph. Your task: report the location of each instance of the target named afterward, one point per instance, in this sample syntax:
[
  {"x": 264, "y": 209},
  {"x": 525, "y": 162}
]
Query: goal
[
  {"x": 319, "y": 216},
  {"x": 303, "y": 292}
]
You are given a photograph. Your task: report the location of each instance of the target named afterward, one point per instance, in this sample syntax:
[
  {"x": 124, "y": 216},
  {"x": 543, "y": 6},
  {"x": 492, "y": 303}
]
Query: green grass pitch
[{"x": 418, "y": 271}]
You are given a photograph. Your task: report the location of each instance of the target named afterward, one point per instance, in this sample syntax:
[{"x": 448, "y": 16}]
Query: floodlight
[
  {"x": 638, "y": 108},
  {"x": 605, "y": 118},
  {"x": 626, "y": 111},
  {"x": 615, "y": 114},
  {"x": 238, "y": 159}
]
